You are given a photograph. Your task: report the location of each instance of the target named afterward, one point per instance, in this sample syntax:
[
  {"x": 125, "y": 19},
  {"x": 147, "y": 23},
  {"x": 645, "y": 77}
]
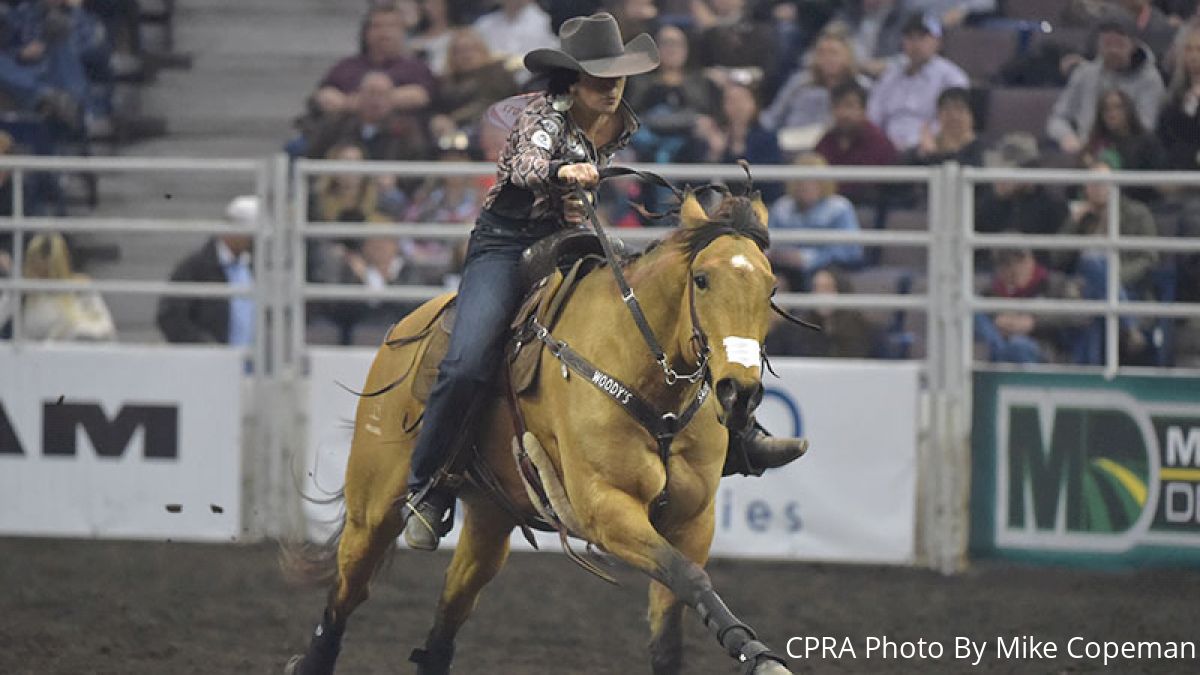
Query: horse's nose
[{"x": 738, "y": 401}]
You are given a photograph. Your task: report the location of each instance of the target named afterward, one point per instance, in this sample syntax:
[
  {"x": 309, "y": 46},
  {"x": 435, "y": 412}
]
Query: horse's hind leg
[
  {"x": 620, "y": 524},
  {"x": 481, "y": 551},
  {"x": 665, "y": 608},
  {"x": 361, "y": 549}
]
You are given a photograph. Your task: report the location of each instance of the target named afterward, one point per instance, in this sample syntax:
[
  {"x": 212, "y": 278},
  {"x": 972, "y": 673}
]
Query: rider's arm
[{"x": 537, "y": 152}]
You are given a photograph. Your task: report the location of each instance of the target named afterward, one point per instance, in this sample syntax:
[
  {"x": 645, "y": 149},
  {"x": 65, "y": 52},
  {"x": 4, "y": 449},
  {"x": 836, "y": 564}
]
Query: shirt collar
[{"x": 226, "y": 257}]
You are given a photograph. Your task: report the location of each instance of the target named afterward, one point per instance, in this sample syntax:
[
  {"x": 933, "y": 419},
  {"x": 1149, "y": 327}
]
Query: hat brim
[{"x": 641, "y": 56}]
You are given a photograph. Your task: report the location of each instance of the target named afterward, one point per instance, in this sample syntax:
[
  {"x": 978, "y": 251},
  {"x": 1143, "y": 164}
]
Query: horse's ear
[
  {"x": 691, "y": 214},
  {"x": 760, "y": 209}
]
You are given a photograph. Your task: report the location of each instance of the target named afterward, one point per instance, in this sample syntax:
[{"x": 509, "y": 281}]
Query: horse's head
[{"x": 731, "y": 286}]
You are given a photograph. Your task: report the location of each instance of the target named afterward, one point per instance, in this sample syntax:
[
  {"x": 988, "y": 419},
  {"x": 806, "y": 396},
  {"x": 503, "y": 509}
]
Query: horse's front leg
[
  {"x": 693, "y": 540},
  {"x": 618, "y": 522}
]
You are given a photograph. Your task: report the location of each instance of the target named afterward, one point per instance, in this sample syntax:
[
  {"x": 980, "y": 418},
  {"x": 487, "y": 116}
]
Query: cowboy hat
[{"x": 592, "y": 45}]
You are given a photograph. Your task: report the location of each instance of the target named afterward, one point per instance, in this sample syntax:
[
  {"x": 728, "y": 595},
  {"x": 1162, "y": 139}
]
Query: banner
[
  {"x": 120, "y": 442},
  {"x": 852, "y": 498},
  {"x": 1076, "y": 468}
]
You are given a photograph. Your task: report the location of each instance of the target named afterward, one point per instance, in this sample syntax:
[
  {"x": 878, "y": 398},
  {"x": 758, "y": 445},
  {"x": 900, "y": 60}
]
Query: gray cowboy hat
[{"x": 592, "y": 45}]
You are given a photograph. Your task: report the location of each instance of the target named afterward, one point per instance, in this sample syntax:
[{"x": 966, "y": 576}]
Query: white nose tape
[{"x": 744, "y": 351}]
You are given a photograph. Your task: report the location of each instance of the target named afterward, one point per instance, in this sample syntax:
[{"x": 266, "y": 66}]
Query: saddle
[{"x": 551, "y": 268}]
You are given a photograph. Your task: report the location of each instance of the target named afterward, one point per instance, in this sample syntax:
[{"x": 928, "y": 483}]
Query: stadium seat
[
  {"x": 980, "y": 51},
  {"x": 1034, "y": 10},
  {"x": 1017, "y": 109}
]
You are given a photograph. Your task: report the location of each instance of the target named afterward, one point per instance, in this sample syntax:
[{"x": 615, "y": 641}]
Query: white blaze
[
  {"x": 745, "y": 351},
  {"x": 740, "y": 260}
]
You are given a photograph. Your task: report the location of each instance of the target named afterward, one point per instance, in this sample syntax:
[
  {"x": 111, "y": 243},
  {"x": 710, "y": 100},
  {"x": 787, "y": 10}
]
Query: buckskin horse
[{"x": 625, "y": 454}]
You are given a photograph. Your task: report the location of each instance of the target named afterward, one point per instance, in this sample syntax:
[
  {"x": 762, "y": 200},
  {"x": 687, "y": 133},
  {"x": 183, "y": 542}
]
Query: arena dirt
[{"x": 83, "y": 607}]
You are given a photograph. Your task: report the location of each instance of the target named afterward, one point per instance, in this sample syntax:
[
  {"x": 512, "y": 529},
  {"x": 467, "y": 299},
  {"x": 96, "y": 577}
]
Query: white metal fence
[{"x": 949, "y": 303}]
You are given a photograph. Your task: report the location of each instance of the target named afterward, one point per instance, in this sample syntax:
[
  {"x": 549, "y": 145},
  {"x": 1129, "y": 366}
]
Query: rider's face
[{"x": 600, "y": 95}]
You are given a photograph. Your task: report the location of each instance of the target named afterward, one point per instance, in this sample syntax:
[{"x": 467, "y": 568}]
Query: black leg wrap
[
  {"x": 323, "y": 649},
  {"x": 754, "y": 653},
  {"x": 666, "y": 647},
  {"x": 433, "y": 658},
  {"x": 729, "y": 631}
]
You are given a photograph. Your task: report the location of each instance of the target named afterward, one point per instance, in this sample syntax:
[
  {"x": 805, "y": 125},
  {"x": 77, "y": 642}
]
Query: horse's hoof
[
  {"x": 293, "y": 665},
  {"x": 771, "y": 668}
]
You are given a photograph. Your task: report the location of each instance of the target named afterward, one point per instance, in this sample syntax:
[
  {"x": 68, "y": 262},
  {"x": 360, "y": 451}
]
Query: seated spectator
[
  {"x": 377, "y": 265},
  {"x": 383, "y": 49},
  {"x": 1090, "y": 267},
  {"x": 224, "y": 259},
  {"x": 375, "y": 124},
  {"x": 1118, "y": 129},
  {"x": 854, "y": 140},
  {"x": 669, "y": 99},
  {"x": 904, "y": 100},
  {"x": 875, "y": 30},
  {"x": 451, "y": 200},
  {"x": 813, "y": 204},
  {"x": 473, "y": 80},
  {"x": 51, "y": 46},
  {"x": 336, "y": 195},
  {"x": 954, "y": 140},
  {"x": 951, "y": 13},
  {"x": 737, "y": 135},
  {"x": 432, "y": 39},
  {"x": 845, "y": 333},
  {"x": 1020, "y": 337},
  {"x": 516, "y": 27},
  {"x": 1121, "y": 63},
  {"x": 1149, "y": 25},
  {"x": 1028, "y": 208},
  {"x": 1179, "y": 122},
  {"x": 59, "y": 315},
  {"x": 804, "y": 101},
  {"x": 730, "y": 39}
]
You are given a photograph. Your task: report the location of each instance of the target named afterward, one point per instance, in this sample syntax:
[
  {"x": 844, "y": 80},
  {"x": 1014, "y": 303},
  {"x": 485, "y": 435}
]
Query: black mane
[{"x": 735, "y": 216}]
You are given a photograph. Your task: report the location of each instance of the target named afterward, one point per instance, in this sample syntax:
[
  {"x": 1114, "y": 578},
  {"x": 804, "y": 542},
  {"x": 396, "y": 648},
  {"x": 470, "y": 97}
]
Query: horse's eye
[{"x": 701, "y": 280}]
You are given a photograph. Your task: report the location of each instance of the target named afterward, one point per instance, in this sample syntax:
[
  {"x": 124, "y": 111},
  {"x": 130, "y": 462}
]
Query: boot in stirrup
[
  {"x": 429, "y": 518},
  {"x": 753, "y": 451}
]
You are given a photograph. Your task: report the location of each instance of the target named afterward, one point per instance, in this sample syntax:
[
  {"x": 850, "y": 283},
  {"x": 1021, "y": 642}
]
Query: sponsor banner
[
  {"x": 1076, "y": 468},
  {"x": 118, "y": 442},
  {"x": 851, "y": 498}
]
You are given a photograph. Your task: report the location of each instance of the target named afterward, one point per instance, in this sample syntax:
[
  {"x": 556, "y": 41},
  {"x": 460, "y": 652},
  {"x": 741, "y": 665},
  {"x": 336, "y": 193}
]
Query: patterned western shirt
[{"x": 527, "y": 188}]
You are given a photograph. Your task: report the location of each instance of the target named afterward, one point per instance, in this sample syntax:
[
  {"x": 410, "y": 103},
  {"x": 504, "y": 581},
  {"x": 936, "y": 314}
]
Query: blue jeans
[
  {"x": 1010, "y": 349},
  {"x": 1088, "y": 345},
  {"x": 488, "y": 297}
]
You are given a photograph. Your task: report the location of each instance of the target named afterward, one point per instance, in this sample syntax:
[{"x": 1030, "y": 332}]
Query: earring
[{"x": 562, "y": 103}]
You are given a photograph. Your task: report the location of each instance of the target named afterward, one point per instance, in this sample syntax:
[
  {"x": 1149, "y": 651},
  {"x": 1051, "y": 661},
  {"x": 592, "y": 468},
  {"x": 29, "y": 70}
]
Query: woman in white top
[{"x": 61, "y": 315}]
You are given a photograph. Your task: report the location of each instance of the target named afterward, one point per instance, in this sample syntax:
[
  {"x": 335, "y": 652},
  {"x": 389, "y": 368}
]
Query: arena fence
[{"x": 282, "y": 407}]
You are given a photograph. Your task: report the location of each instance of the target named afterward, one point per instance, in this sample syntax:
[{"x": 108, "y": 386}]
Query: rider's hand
[{"x": 583, "y": 175}]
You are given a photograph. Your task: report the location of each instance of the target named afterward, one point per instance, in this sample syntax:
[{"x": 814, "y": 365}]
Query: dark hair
[
  {"x": 559, "y": 81},
  {"x": 954, "y": 95},
  {"x": 849, "y": 88},
  {"x": 374, "y": 10},
  {"x": 1100, "y": 130}
]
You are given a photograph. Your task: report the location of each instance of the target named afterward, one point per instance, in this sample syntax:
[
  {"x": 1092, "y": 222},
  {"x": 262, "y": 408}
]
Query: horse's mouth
[{"x": 738, "y": 402}]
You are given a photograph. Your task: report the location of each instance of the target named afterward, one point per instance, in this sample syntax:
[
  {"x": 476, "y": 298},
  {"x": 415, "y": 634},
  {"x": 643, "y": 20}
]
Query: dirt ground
[{"x": 156, "y": 608}]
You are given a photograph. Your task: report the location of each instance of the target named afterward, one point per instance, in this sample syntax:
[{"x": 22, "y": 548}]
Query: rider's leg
[
  {"x": 487, "y": 298},
  {"x": 752, "y": 451}
]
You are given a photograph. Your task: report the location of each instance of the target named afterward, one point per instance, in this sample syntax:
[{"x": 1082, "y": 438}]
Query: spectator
[
  {"x": 1121, "y": 64},
  {"x": 951, "y": 13},
  {"x": 1118, "y": 129},
  {"x": 1021, "y": 337},
  {"x": 375, "y": 124},
  {"x": 1028, "y": 208},
  {"x": 451, "y": 200},
  {"x": 375, "y": 267},
  {"x": 224, "y": 259},
  {"x": 383, "y": 49},
  {"x": 336, "y": 195},
  {"x": 1177, "y": 11},
  {"x": 473, "y": 80},
  {"x": 1179, "y": 123},
  {"x": 955, "y": 139},
  {"x": 432, "y": 39},
  {"x": 814, "y": 205},
  {"x": 737, "y": 135},
  {"x": 731, "y": 40},
  {"x": 515, "y": 28},
  {"x": 669, "y": 100},
  {"x": 804, "y": 100},
  {"x": 59, "y": 315},
  {"x": 875, "y": 30},
  {"x": 854, "y": 140},
  {"x": 904, "y": 101},
  {"x": 1149, "y": 25},
  {"x": 845, "y": 333}
]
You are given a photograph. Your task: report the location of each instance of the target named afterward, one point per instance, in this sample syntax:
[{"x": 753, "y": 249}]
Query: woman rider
[{"x": 560, "y": 142}]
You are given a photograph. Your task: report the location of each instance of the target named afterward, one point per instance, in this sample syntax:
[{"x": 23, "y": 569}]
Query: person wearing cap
[
  {"x": 561, "y": 139},
  {"x": 904, "y": 100},
  {"x": 1120, "y": 63},
  {"x": 224, "y": 259}
]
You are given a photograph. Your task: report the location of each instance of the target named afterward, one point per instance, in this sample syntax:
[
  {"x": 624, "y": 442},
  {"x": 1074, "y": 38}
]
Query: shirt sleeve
[{"x": 533, "y": 162}]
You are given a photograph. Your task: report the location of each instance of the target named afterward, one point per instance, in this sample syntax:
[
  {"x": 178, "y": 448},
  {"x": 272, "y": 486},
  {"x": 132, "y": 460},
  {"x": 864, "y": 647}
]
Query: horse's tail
[{"x": 305, "y": 563}]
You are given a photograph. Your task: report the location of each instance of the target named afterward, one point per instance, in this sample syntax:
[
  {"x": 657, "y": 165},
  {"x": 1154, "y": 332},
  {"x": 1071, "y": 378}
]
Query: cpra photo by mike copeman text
[{"x": 976, "y": 651}]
